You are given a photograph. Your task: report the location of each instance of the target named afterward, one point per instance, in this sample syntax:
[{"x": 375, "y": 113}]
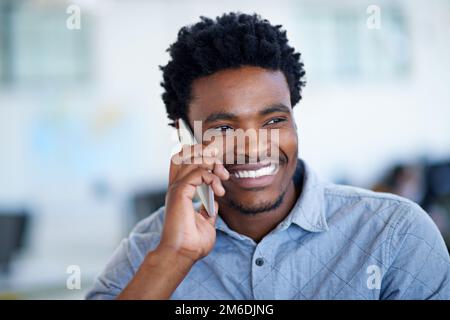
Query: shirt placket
[{"x": 262, "y": 273}]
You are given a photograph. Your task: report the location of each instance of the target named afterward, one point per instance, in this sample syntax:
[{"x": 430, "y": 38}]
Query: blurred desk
[
  {"x": 35, "y": 278},
  {"x": 58, "y": 241}
]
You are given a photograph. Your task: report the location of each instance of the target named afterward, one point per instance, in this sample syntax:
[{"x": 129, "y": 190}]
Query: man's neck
[{"x": 258, "y": 225}]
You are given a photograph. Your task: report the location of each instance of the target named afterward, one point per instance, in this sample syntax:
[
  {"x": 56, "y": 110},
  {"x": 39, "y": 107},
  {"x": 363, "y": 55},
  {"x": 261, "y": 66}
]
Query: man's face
[{"x": 250, "y": 98}]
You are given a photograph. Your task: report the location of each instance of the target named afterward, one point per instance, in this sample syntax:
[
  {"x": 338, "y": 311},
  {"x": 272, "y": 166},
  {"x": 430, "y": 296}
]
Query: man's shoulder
[
  {"x": 382, "y": 217},
  {"x": 356, "y": 193},
  {"x": 390, "y": 207},
  {"x": 144, "y": 237},
  {"x": 152, "y": 224}
]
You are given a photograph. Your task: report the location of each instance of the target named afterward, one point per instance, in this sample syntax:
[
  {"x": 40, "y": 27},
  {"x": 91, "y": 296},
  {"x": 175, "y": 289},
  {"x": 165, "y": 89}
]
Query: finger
[
  {"x": 199, "y": 176},
  {"x": 221, "y": 171},
  {"x": 186, "y": 153},
  {"x": 193, "y": 151},
  {"x": 195, "y": 156},
  {"x": 209, "y": 163},
  {"x": 189, "y": 154},
  {"x": 198, "y": 151}
]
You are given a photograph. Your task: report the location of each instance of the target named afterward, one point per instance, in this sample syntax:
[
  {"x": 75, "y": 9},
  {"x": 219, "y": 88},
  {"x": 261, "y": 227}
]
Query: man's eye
[
  {"x": 275, "y": 120},
  {"x": 223, "y": 128}
]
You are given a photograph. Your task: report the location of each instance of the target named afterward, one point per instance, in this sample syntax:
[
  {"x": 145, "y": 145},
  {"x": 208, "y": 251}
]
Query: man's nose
[{"x": 251, "y": 144}]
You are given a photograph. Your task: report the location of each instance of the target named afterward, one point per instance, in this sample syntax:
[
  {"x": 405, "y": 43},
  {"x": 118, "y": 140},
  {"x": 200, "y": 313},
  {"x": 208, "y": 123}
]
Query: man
[{"x": 278, "y": 232}]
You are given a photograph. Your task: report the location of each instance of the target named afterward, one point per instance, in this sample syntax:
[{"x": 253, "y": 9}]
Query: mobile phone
[{"x": 204, "y": 192}]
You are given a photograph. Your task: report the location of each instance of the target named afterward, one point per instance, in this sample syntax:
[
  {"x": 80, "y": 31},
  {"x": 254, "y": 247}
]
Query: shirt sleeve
[
  {"x": 127, "y": 259},
  {"x": 115, "y": 276},
  {"x": 419, "y": 267}
]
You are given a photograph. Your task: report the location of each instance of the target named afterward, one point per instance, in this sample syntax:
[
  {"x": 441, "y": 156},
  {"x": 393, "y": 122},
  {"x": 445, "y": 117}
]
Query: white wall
[{"x": 118, "y": 131}]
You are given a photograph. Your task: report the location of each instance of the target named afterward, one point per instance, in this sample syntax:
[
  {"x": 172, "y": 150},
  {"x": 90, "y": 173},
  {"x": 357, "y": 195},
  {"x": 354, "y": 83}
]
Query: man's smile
[{"x": 255, "y": 175}]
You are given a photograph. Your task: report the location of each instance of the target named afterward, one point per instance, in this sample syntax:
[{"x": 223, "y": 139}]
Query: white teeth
[{"x": 266, "y": 171}]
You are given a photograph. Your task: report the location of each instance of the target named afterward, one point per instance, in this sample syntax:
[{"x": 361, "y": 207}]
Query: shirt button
[{"x": 259, "y": 262}]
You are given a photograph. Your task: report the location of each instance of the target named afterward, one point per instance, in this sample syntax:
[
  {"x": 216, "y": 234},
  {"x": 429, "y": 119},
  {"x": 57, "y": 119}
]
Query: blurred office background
[{"x": 84, "y": 141}]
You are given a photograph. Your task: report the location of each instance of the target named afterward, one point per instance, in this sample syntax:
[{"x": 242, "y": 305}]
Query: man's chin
[{"x": 256, "y": 207}]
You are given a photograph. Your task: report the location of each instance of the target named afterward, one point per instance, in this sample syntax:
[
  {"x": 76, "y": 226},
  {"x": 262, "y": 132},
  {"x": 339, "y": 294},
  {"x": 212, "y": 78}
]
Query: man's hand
[
  {"x": 187, "y": 235},
  {"x": 188, "y": 232}
]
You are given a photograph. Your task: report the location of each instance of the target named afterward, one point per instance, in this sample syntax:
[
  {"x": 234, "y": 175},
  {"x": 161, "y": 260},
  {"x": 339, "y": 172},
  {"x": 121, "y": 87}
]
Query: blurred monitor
[
  {"x": 13, "y": 230},
  {"x": 145, "y": 203},
  {"x": 438, "y": 179},
  {"x": 437, "y": 197}
]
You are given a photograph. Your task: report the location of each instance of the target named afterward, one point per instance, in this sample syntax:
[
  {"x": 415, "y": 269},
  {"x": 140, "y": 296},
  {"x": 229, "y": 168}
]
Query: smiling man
[{"x": 279, "y": 232}]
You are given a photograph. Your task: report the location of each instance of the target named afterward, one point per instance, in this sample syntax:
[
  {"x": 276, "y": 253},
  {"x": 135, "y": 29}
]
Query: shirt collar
[{"x": 308, "y": 212}]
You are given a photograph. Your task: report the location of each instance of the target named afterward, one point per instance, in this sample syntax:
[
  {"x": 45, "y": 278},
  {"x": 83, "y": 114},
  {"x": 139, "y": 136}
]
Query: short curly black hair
[{"x": 230, "y": 41}]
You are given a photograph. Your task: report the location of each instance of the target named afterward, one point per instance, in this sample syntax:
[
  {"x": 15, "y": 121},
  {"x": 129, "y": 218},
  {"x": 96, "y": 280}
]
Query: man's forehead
[
  {"x": 242, "y": 91},
  {"x": 246, "y": 112}
]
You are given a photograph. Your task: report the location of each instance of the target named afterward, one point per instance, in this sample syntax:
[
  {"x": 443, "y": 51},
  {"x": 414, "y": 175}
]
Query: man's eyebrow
[
  {"x": 276, "y": 108},
  {"x": 231, "y": 116},
  {"x": 220, "y": 116}
]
